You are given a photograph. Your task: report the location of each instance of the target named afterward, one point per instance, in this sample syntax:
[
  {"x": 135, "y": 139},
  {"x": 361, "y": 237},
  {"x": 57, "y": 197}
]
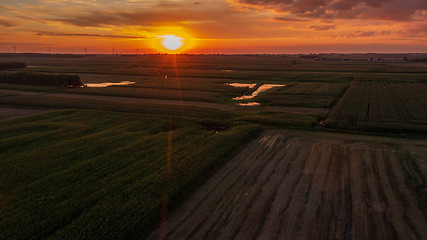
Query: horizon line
[{"x": 159, "y": 53}]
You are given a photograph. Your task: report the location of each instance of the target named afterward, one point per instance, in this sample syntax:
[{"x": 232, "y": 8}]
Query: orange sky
[{"x": 214, "y": 26}]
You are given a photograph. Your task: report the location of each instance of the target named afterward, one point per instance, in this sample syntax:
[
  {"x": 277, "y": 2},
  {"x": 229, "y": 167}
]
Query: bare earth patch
[{"x": 288, "y": 185}]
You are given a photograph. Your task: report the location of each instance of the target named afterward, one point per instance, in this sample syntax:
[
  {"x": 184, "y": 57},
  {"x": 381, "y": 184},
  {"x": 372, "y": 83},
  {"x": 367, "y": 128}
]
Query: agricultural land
[{"x": 172, "y": 146}]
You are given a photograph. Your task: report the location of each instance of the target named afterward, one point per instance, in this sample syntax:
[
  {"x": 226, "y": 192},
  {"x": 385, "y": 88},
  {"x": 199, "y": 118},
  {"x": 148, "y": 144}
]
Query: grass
[
  {"x": 279, "y": 119},
  {"x": 37, "y": 101},
  {"x": 68, "y": 174}
]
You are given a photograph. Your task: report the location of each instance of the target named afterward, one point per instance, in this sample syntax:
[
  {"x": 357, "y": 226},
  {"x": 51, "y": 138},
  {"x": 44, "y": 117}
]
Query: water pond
[
  {"x": 262, "y": 88},
  {"x": 107, "y": 84},
  {"x": 249, "y": 85}
]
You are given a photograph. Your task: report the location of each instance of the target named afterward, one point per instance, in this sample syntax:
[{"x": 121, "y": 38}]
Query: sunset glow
[{"x": 214, "y": 26}]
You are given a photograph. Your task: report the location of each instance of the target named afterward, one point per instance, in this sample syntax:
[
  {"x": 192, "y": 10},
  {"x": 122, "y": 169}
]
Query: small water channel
[
  {"x": 262, "y": 88},
  {"x": 249, "y": 85},
  {"x": 107, "y": 84}
]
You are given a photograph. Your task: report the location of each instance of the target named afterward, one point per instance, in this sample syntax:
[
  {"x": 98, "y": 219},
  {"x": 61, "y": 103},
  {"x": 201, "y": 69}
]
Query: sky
[{"x": 214, "y": 26}]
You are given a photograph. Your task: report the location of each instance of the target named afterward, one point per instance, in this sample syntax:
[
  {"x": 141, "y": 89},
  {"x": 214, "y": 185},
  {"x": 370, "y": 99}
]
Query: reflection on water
[
  {"x": 226, "y": 70},
  {"x": 261, "y": 89},
  {"x": 249, "y": 104},
  {"x": 106, "y": 84},
  {"x": 249, "y": 85}
]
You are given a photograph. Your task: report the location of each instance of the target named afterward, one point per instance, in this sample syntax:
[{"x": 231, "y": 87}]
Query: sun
[{"x": 171, "y": 42}]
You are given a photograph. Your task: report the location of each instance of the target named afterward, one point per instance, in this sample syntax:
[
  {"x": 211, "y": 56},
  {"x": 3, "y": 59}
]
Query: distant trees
[
  {"x": 11, "y": 65},
  {"x": 28, "y": 78},
  {"x": 415, "y": 59}
]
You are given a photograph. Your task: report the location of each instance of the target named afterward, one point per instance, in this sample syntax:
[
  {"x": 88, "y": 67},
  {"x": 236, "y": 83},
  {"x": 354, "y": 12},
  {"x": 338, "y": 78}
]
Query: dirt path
[
  {"x": 321, "y": 111},
  {"x": 294, "y": 186}
]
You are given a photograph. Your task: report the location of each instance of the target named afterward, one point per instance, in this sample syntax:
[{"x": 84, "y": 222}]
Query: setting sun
[{"x": 172, "y": 42}]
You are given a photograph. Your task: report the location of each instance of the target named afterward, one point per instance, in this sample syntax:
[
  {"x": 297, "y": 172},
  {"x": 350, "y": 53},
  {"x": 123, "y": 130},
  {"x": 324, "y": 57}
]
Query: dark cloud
[
  {"x": 140, "y": 17},
  {"x": 289, "y": 19},
  {"x": 6, "y": 23},
  {"x": 86, "y": 35},
  {"x": 343, "y": 9},
  {"x": 322, "y": 27},
  {"x": 420, "y": 29},
  {"x": 368, "y": 33}
]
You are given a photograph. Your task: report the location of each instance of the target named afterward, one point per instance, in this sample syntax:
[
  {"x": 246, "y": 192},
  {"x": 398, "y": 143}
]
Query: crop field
[
  {"x": 308, "y": 83},
  {"x": 173, "y": 156},
  {"x": 290, "y": 185},
  {"x": 382, "y": 106},
  {"x": 68, "y": 174}
]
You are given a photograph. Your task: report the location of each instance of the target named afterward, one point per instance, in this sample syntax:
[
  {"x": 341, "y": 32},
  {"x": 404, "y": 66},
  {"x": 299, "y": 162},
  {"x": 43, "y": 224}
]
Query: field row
[
  {"x": 296, "y": 186},
  {"x": 380, "y": 105},
  {"x": 92, "y": 174}
]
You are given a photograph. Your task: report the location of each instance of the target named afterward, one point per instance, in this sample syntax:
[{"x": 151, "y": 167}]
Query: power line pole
[
  {"x": 14, "y": 47},
  {"x": 137, "y": 51},
  {"x": 85, "y": 51},
  {"x": 49, "y": 49}
]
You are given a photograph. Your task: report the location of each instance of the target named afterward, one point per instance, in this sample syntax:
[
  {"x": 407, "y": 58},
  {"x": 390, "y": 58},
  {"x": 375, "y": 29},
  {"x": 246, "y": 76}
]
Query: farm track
[
  {"x": 321, "y": 111},
  {"x": 294, "y": 186}
]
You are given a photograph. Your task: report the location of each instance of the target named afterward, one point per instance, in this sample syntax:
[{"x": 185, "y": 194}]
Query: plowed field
[{"x": 289, "y": 185}]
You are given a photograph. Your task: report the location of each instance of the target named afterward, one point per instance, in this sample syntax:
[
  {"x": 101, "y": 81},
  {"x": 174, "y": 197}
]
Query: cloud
[
  {"x": 142, "y": 17},
  {"x": 342, "y": 9},
  {"x": 204, "y": 20},
  {"x": 6, "y": 23},
  {"x": 289, "y": 19},
  {"x": 418, "y": 30},
  {"x": 86, "y": 35},
  {"x": 369, "y": 33},
  {"x": 322, "y": 27}
]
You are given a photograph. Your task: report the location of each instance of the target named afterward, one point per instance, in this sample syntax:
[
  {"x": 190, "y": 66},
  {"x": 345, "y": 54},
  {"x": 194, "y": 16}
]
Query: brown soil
[{"x": 294, "y": 186}]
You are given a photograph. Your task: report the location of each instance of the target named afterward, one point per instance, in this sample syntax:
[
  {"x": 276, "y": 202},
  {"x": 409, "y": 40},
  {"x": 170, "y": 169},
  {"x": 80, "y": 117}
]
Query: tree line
[{"x": 39, "y": 79}]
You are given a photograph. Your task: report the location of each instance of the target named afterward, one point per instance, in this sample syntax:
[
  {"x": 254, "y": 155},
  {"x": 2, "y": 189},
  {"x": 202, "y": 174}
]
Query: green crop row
[
  {"x": 381, "y": 106},
  {"x": 77, "y": 174}
]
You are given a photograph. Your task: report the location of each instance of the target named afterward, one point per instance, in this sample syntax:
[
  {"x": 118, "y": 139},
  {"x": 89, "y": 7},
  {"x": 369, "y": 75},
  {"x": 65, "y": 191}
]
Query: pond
[
  {"x": 261, "y": 89},
  {"x": 249, "y": 104},
  {"x": 249, "y": 85},
  {"x": 107, "y": 84}
]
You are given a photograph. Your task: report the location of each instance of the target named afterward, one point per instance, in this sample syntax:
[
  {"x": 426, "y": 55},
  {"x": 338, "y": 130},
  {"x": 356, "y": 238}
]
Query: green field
[{"x": 68, "y": 174}]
